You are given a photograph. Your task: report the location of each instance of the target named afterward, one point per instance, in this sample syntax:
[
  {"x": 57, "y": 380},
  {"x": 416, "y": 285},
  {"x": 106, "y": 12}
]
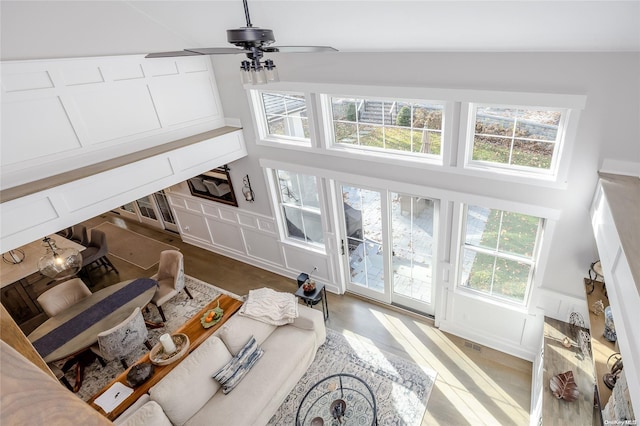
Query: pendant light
[{"x": 59, "y": 263}]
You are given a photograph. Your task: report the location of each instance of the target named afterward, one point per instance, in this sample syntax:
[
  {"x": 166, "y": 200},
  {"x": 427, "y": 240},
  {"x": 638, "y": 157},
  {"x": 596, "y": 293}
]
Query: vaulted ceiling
[{"x": 53, "y": 29}]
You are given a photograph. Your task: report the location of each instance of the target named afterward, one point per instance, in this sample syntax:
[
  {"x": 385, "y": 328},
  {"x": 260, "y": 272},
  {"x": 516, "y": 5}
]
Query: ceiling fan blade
[
  {"x": 215, "y": 50},
  {"x": 172, "y": 54},
  {"x": 299, "y": 49}
]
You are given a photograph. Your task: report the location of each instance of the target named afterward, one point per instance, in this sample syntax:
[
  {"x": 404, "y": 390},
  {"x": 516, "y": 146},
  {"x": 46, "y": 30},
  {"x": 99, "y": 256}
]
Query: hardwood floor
[{"x": 475, "y": 385}]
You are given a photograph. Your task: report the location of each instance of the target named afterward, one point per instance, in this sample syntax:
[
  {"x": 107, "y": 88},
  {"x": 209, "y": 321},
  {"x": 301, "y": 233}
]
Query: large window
[
  {"x": 392, "y": 125},
  {"x": 300, "y": 206},
  {"x": 508, "y": 136},
  {"x": 498, "y": 252},
  {"x": 282, "y": 117},
  {"x": 516, "y": 138}
]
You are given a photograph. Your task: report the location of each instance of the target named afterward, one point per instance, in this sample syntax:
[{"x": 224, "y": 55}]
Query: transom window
[
  {"x": 300, "y": 206},
  {"x": 498, "y": 252},
  {"x": 283, "y": 116},
  {"x": 393, "y": 125},
  {"x": 518, "y": 138}
]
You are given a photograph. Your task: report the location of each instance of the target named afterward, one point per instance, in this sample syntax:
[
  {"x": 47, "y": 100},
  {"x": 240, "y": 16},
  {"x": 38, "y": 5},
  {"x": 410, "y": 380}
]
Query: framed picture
[{"x": 214, "y": 185}]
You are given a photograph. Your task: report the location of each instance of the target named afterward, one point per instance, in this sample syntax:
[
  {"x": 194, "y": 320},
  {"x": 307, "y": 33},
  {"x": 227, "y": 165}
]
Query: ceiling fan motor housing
[{"x": 250, "y": 37}]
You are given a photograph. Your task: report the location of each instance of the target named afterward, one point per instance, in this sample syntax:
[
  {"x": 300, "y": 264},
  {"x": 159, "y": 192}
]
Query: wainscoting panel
[
  {"x": 118, "y": 102},
  {"x": 28, "y": 212},
  {"x": 245, "y": 236},
  {"x": 114, "y": 182},
  {"x": 59, "y": 113},
  {"x": 263, "y": 247},
  {"x": 298, "y": 259},
  {"x": 485, "y": 322},
  {"x": 21, "y": 143},
  {"x": 184, "y": 99},
  {"x": 226, "y": 235},
  {"x": 193, "y": 226}
]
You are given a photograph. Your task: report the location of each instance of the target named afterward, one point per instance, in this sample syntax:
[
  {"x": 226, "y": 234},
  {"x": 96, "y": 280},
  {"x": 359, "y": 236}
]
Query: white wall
[{"x": 608, "y": 128}]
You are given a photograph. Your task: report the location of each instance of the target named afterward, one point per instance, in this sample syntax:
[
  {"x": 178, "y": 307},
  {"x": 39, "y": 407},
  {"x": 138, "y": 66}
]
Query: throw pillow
[
  {"x": 236, "y": 332},
  {"x": 234, "y": 371},
  {"x": 303, "y": 323}
]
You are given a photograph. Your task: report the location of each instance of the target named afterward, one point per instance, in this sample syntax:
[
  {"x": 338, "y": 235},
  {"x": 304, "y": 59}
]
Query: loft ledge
[{"x": 36, "y": 186}]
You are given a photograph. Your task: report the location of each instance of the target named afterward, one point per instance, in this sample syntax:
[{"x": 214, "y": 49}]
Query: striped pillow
[{"x": 232, "y": 373}]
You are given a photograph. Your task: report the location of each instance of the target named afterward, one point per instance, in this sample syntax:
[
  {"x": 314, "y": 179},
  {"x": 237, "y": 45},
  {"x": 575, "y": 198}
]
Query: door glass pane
[
  {"x": 363, "y": 222},
  {"x": 412, "y": 235},
  {"x": 163, "y": 205},
  {"x": 129, "y": 207},
  {"x": 146, "y": 207}
]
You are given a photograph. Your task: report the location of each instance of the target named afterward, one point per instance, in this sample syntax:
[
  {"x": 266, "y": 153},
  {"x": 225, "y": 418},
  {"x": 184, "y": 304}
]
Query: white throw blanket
[{"x": 270, "y": 306}]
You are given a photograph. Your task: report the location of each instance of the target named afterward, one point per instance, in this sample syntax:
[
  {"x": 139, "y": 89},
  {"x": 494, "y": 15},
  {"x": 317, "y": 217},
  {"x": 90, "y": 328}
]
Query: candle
[{"x": 167, "y": 344}]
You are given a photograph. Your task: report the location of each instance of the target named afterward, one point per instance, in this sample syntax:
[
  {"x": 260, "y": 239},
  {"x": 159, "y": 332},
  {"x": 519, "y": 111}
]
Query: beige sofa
[{"x": 189, "y": 395}]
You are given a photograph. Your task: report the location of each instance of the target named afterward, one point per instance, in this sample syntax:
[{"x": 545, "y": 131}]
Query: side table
[{"x": 319, "y": 295}]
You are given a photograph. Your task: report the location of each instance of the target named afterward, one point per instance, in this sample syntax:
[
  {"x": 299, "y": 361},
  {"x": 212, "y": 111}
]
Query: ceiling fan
[{"x": 253, "y": 42}]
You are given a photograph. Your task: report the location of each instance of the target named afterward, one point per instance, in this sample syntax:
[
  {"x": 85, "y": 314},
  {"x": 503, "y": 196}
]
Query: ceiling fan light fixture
[
  {"x": 245, "y": 73},
  {"x": 258, "y": 76},
  {"x": 271, "y": 71}
]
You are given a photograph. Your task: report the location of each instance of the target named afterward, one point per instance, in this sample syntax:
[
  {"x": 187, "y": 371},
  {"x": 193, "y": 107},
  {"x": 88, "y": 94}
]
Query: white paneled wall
[
  {"x": 245, "y": 236},
  {"x": 31, "y": 217},
  {"x": 85, "y": 135},
  {"x": 60, "y": 114}
]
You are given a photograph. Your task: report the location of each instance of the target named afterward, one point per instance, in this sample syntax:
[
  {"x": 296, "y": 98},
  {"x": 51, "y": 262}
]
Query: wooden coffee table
[{"x": 197, "y": 334}]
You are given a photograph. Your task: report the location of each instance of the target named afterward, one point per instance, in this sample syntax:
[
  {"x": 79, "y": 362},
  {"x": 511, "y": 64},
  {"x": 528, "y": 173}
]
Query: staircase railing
[{"x": 360, "y": 108}]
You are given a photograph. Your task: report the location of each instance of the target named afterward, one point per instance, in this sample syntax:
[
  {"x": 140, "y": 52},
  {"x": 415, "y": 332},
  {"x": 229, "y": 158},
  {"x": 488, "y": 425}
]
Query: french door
[
  {"x": 152, "y": 210},
  {"x": 389, "y": 246}
]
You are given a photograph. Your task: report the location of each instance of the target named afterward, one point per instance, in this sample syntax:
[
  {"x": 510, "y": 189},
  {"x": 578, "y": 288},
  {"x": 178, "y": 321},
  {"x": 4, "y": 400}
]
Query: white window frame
[
  {"x": 457, "y": 125},
  {"x": 534, "y": 262},
  {"x": 557, "y": 175},
  {"x": 331, "y": 144},
  {"x": 274, "y": 189},
  {"x": 262, "y": 127},
  {"x": 511, "y": 168}
]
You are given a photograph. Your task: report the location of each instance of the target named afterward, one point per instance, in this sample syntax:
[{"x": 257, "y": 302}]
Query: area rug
[
  {"x": 177, "y": 310},
  {"x": 144, "y": 252},
  {"x": 401, "y": 387}
]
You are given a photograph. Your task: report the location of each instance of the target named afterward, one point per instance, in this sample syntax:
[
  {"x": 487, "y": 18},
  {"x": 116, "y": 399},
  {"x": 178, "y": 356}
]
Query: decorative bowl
[
  {"x": 158, "y": 356},
  {"x": 139, "y": 373},
  {"x": 309, "y": 287},
  {"x": 218, "y": 312}
]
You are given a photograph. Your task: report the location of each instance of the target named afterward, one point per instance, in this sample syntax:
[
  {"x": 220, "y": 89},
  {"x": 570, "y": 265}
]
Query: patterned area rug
[
  {"x": 178, "y": 310},
  {"x": 401, "y": 387}
]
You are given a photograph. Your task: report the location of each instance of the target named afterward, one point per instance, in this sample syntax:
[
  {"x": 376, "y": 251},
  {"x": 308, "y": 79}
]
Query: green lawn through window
[{"x": 511, "y": 233}]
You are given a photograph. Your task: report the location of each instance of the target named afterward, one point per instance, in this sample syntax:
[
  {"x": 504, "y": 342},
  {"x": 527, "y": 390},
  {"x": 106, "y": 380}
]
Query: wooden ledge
[{"x": 103, "y": 166}]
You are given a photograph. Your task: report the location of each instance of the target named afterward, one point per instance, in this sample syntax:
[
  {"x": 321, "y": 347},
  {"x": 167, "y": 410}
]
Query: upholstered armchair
[
  {"x": 63, "y": 296},
  {"x": 219, "y": 190},
  {"x": 96, "y": 253},
  {"x": 124, "y": 338},
  {"x": 170, "y": 277}
]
